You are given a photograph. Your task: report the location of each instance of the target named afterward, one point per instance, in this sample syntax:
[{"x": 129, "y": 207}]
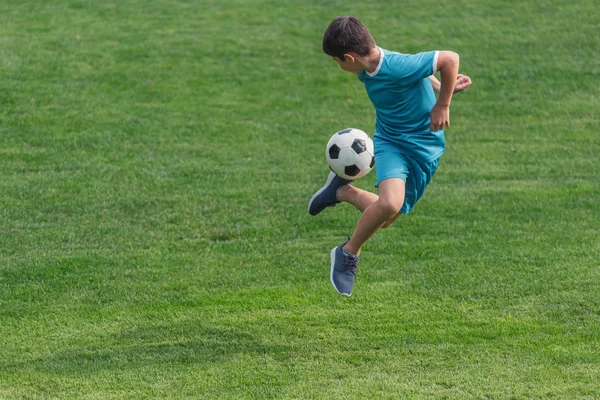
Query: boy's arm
[
  {"x": 447, "y": 64},
  {"x": 462, "y": 82},
  {"x": 435, "y": 83}
]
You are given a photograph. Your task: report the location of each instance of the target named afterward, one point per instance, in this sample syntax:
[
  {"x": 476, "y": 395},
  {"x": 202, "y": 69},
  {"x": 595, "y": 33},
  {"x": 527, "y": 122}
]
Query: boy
[{"x": 408, "y": 139}]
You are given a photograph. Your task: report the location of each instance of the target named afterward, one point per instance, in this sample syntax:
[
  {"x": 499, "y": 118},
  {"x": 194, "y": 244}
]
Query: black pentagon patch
[
  {"x": 334, "y": 152},
  {"x": 359, "y": 146},
  {"x": 351, "y": 170},
  {"x": 344, "y": 131},
  {"x": 372, "y": 162}
]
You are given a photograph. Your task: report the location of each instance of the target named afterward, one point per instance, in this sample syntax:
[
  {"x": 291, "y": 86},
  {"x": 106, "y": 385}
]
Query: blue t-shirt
[{"x": 403, "y": 97}]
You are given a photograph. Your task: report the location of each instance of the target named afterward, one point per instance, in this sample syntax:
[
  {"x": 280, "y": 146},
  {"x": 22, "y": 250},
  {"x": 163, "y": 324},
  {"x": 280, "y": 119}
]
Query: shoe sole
[
  {"x": 331, "y": 273},
  {"x": 314, "y": 196}
]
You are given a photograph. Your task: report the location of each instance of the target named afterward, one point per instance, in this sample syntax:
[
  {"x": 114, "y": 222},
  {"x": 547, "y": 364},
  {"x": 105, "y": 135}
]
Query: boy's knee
[{"x": 390, "y": 208}]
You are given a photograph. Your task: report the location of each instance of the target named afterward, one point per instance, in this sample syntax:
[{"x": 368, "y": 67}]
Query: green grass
[{"x": 156, "y": 159}]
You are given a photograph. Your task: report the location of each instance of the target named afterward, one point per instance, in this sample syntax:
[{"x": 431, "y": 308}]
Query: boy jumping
[{"x": 408, "y": 139}]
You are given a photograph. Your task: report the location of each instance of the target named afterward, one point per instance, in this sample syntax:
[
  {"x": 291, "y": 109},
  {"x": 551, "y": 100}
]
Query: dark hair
[{"x": 347, "y": 34}]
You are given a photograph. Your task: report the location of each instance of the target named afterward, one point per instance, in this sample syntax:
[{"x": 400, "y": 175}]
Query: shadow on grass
[{"x": 176, "y": 345}]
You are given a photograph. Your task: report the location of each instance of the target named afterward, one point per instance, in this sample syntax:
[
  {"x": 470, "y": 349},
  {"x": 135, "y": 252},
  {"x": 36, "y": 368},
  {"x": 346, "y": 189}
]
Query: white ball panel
[
  {"x": 358, "y": 134},
  {"x": 347, "y": 156},
  {"x": 363, "y": 161},
  {"x": 337, "y": 167},
  {"x": 343, "y": 140}
]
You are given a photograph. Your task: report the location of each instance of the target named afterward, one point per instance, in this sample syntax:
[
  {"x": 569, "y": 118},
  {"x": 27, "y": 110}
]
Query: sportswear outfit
[{"x": 403, "y": 97}]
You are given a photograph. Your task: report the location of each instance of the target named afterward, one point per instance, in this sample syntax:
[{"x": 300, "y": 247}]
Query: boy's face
[{"x": 348, "y": 64}]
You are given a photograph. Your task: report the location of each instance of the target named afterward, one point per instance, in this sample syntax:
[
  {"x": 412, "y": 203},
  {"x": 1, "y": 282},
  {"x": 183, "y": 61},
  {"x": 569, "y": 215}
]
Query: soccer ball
[{"x": 350, "y": 153}]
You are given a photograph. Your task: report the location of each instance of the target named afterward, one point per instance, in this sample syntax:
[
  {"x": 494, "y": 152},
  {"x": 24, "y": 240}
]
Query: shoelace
[{"x": 350, "y": 263}]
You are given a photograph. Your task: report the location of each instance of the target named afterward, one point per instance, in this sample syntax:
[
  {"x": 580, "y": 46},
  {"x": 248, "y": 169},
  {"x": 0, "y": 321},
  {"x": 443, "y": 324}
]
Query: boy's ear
[{"x": 349, "y": 57}]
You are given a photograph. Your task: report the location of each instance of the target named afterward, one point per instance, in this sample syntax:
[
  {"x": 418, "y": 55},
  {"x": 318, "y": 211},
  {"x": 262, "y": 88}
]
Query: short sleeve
[{"x": 410, "y": 68}]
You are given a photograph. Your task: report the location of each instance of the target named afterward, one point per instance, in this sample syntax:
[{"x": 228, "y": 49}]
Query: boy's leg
[
  {"x": 361, "y": 199},
  {"x": 378, "y": 213},
  {"x": 344, "y": 258}
]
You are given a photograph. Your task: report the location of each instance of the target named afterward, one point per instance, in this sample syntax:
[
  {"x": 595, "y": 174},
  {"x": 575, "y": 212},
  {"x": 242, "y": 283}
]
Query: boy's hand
[
  {"x": 440, "y": 117},
  {"x": 462, "y": 82},
  {"x": 440, "y": 114}
]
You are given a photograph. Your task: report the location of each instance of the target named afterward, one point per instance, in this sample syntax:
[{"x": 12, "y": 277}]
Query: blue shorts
[{"x": 390, "y": 163}]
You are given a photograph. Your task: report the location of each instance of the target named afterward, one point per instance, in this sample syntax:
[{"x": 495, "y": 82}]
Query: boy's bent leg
[
  {"x": 387, "y": 206},
  {"x": 361, "y": 199}
]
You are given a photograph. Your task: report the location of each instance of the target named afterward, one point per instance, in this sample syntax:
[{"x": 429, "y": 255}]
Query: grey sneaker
[
  {"x": 343, "y": 269},
  {"x": 327, "y": 195}
]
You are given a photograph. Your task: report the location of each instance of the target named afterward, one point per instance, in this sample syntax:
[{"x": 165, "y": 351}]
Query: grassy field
[{"x": 156, "y": 160}]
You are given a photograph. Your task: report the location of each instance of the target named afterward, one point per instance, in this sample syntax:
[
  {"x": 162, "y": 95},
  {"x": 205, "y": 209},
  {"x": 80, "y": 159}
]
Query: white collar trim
[{"x": 372, "y": 74}]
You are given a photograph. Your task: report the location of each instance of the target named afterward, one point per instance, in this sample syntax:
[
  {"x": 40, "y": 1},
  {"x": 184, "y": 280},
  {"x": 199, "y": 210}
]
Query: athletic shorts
[{"x": 390, "y": 163}]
